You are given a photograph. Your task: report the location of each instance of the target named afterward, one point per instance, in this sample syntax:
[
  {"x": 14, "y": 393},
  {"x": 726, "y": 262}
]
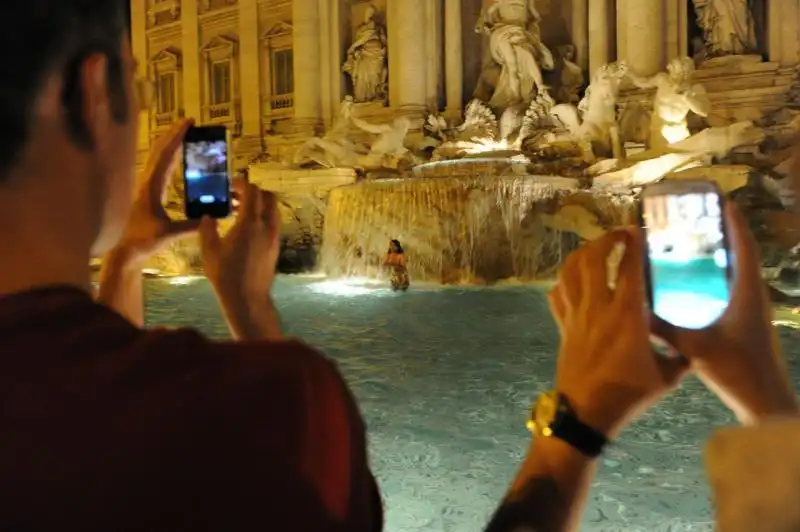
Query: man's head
[
  {"x": 369, "y": 13},
  {"x": 681, "y": 69},
  {"x": 68, "y": 123}
]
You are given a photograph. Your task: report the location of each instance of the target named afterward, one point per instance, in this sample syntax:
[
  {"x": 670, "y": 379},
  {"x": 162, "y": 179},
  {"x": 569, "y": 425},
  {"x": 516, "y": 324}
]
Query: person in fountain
[{"x": 396, "y": 262}]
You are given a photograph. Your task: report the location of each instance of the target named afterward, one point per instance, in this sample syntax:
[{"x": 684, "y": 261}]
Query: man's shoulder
[{"x": 284, "y": 357}]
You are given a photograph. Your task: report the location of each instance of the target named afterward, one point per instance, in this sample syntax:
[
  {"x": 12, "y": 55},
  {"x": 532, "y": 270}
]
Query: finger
[
  {"x": 597, "y": 265},
  {"x": 747, "y": 283},
  {"x": 210, "y": 242},
  {"x": 672, "y": 369},
  {"x": 569, "y": 279},
  {"x": 557, "y": 309},
  {"x": 630, "y": 284},
  {"x": 251, "y": 202},
  {"x": 238, "y": 187},
  {"x": 164, "y": 159}
]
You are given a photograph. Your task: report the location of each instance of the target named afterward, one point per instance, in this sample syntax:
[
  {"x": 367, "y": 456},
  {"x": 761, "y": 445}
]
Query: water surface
[{"x": 445, "y": 378}]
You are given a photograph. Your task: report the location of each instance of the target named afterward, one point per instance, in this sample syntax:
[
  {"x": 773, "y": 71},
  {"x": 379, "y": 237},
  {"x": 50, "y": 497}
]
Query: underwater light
[
  {"x": 183, "y": 280},
  {"x": 353, "y": 286}
]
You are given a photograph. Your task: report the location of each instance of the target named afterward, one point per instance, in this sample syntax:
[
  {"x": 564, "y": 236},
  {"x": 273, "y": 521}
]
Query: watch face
[{"x": 545, "y": 412}]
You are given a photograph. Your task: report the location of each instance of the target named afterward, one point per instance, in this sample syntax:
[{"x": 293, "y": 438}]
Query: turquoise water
[
  {"x": 691, "y": 294},
  {"x": 445, "y": 377}
]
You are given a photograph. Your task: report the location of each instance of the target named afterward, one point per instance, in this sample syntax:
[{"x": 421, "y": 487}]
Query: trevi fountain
[{"x": 540, "y": 160}]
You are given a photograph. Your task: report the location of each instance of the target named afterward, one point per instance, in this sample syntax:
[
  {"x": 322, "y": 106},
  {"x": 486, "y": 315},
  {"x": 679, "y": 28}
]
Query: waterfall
[{"x": 475, "y": 230}]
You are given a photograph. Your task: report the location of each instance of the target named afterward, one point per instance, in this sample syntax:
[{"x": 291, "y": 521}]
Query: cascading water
[{"x": 478, "y": 229}]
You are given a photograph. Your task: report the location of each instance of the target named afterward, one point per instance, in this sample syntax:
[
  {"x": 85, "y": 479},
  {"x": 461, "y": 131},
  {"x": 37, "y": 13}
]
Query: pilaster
[
  {"x": 453, "y": 57},
  {"x": 307, "y": 65},
  {"x": 190, "y": 37},
  {"x": 250, "y": 68},
  {"x": 579, "y": 31},
  {"x": 600, "y": 34},
  {"x": 645, "y": 36},
  {"x": 141, "y": 53},
  {"x": 408, "y": 49}
]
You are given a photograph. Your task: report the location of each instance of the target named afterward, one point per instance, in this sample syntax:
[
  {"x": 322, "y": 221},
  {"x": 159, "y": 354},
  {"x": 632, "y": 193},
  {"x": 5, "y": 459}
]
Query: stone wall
[{"x": 303, "y": 196}]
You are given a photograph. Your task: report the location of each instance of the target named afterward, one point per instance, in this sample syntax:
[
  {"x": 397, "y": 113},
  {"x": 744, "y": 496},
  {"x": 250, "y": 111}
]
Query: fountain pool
[{"x": 445, "y": 376}]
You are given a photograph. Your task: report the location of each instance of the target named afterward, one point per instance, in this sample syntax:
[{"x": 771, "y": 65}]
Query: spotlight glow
[
  {"x": 184, "y": 280},
  {"x": 353, "y": 286},
  {"x": 675, "y": 132}
]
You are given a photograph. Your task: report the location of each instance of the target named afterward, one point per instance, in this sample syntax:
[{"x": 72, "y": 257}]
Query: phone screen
[
  {"x": 688, "y": 256},
  {"x": 205, "y": 172}
]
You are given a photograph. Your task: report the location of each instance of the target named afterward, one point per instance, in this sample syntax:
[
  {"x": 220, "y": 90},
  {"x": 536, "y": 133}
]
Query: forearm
[
  {"x": 548, "y": 492},
  {"x": 251, "y": 321},
  {"x": 121, "y": 286}
]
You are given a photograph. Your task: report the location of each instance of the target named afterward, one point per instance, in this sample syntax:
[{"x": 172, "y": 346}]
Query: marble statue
[
  {"x": 728, "y": 27},
  {"x": 366, "y": 59},
  {"x": 570, "y": 75},
  {"x": 334, "y": 149},
  {"x": 595, "y": 118},
  {"x": 676, "y": 96},
  {"x": 515, "y": 47},
  {"x": 388, "y": 148}
]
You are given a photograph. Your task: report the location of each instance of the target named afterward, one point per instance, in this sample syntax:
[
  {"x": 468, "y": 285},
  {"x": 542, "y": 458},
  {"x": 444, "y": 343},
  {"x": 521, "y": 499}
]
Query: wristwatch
[{"x": 552, "y": 416}]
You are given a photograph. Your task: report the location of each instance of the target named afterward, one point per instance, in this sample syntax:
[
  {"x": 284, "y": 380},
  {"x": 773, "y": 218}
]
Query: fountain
[
  {"x": 476, "y": 230},
  {"x": 505, "y": 193},
  {"x": 510, "y": 197}
]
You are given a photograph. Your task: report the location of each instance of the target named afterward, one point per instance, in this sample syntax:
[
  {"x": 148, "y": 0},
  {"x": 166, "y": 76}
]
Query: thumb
[
  {"x": 686, "y": 342},
  {"x": 210, "y": 242},
  {"x": 672, "y": 367}
]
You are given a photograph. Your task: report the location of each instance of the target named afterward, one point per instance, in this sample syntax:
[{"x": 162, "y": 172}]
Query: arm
[
  {"x": 698, "y": 101},
  {"x": 548, "y": 492},
  {"x": 375, "y": 129},
  {"x": 121, "y": 286},
  {"x": 250, "y": 318},
  {"x": 361, "y": 39}
]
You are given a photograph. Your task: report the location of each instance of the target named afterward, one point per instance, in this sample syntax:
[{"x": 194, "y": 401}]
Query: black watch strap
[{"x": 588, "y": 441}]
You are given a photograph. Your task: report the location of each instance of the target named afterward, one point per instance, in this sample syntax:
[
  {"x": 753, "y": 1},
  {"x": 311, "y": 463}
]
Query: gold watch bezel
[{"x": 543, "y": 414}]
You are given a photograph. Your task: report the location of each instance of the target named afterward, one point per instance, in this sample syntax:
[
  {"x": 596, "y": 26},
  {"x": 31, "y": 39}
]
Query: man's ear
[{"x": 95, "y": 104}]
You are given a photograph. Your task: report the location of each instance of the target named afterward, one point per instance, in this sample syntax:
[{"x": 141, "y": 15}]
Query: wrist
[
  {"x": 607, "y": 409},
  {"x": 123, "y": 260}
]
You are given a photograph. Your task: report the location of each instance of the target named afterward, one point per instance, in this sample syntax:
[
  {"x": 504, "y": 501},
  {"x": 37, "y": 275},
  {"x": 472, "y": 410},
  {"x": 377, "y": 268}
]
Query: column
[
  {"x": 433, "y": 53},
  {"x": 249, "y": 68},
  {"x": 307, "y": 86},
  {"x": 140, "y": 52},
  {"x": 190, "y": 37},
  {"x": 407, "y": 48},
  {"x": 783, "y": 31},
  {"x": 580, "y": 31},
  {"x": 645, "y": 36},
  {"x": 599, "y": 34},
  {"x": 453, "y": 57}
]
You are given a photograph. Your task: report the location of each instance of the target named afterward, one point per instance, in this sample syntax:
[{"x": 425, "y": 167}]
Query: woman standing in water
[{"x": 396, "y": 260}]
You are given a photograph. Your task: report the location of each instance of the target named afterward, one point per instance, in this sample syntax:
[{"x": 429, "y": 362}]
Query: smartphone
[
  {"x": 687, "y": 268},
  {"x": 206, "y": 179}
]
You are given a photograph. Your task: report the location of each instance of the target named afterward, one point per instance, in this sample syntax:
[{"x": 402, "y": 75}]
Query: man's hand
[
  {"x": 150, "y": 228},
  {"x": 739, "y": 357},
  {"x": 241, "y": 265},
  {"x": 606, "y": 366}
]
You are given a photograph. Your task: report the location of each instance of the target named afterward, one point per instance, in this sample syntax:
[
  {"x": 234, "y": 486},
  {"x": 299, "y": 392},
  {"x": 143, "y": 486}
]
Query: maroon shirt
[{"x": 106, "y": 427}]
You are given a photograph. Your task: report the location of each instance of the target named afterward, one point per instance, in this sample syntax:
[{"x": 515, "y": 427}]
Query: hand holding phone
[
  {"x": 206, "y": 178},
  {"x": 687, "y": 269}
]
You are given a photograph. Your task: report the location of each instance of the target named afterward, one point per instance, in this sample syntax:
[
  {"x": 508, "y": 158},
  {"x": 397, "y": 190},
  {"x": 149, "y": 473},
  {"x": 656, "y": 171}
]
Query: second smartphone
[
  {"x": 687, "y": 268},
  {"x": 206, "y": 177}
]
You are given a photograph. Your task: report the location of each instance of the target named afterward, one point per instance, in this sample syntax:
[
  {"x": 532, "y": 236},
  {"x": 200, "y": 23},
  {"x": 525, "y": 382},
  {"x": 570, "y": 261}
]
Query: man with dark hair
[{"x": 107, "y": 426}]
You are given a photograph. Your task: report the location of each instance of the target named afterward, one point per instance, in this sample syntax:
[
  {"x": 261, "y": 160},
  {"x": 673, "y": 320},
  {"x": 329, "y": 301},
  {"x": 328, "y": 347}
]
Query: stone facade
[
  {"x": 276, "y": 72},
  {"x": 271, "y": 70}
]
